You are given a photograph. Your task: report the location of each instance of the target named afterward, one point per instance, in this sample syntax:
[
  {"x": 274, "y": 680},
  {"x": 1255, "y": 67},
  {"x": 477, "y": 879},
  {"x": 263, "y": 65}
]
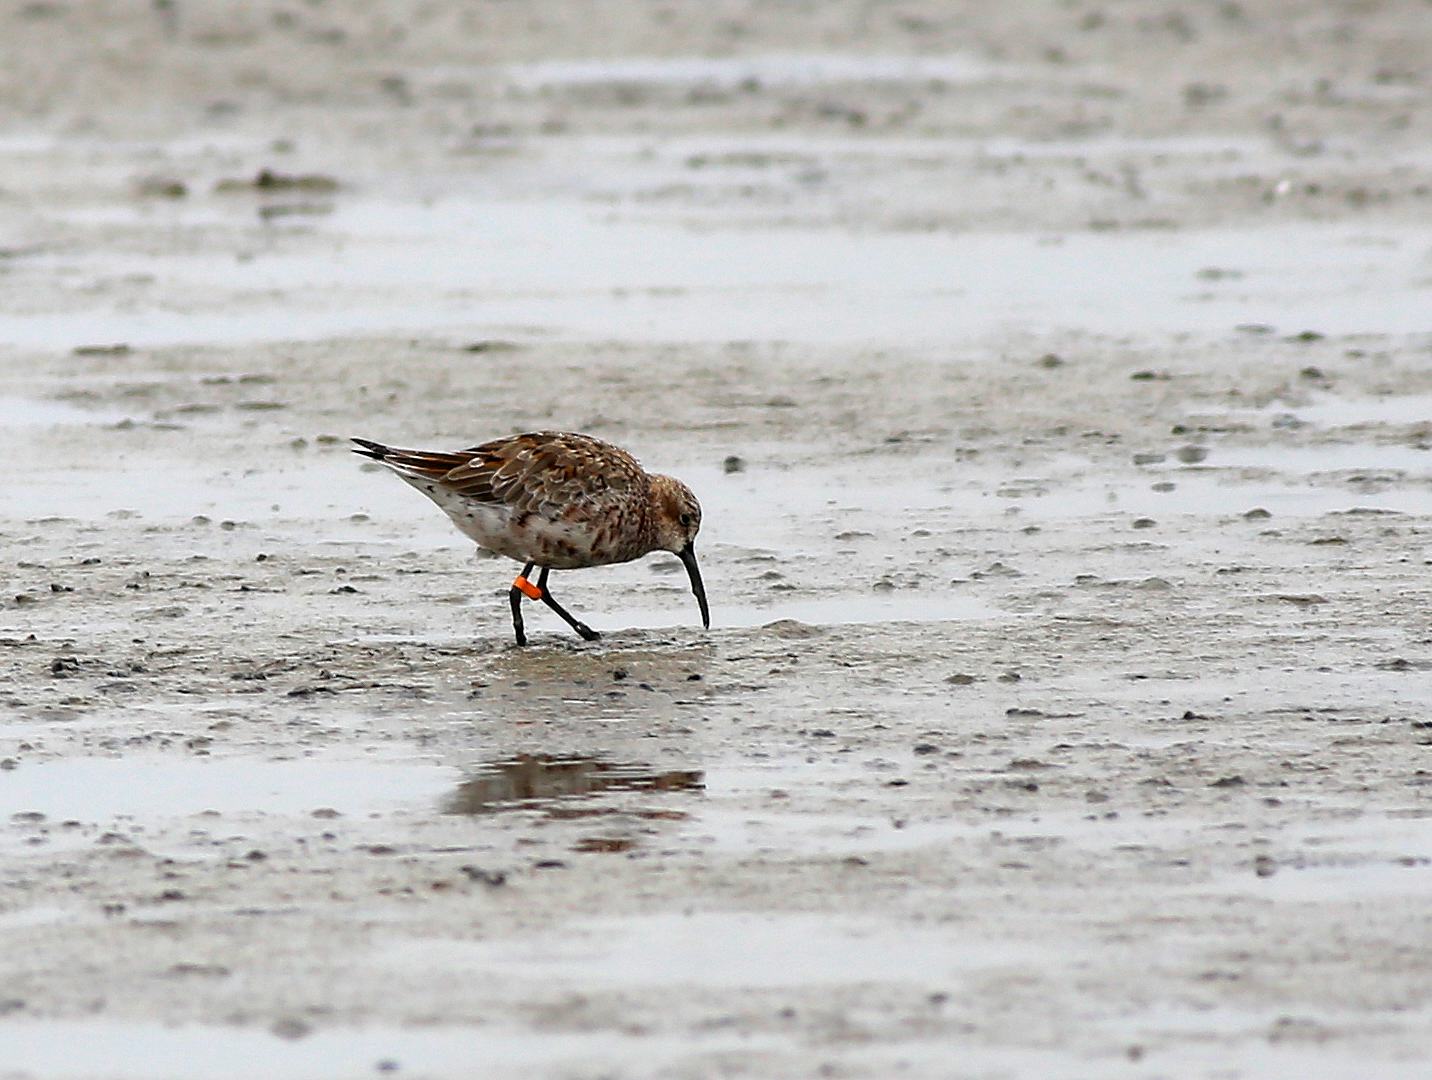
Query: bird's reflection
[{"x": 532, "y": 780}]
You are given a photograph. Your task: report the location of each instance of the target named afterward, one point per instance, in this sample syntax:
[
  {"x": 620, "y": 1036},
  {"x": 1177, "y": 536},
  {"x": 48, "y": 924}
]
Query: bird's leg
[
  {"x": 588, "y": 634},
  {"x": 515, "y": 596}
]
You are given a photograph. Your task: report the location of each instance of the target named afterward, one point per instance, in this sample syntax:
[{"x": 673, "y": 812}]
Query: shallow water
[
  {"x": 476, "y": 267},
  {"x": 775, "y": 951},
  {"x": 797, "y": 69},
  {"x": 973, "y": 757},
  {"x": 124, "y": 1051},
  {"x": 105, "y": 790}
]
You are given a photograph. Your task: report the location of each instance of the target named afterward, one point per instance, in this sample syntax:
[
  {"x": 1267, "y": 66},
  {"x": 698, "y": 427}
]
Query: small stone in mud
[
  {"x": 1229, "y": 782},
  {"x": 118, "y": 349},
  {"x": 1191, "y": 455},
  {"x": 791, "y": 628},
  {"x": 997, "y": 569},
  {"x": 604, "y": 844},
  {"x": 1257, "y": 514},
  {"x": 1051, "y": 360},
  {"x": 491, "y": 346},
  {"x": 733, "y": 464},
  {"x": 1311, "y": 372},
  {"x": 290, "y": 1028},
  {"x": 1306, "y": 337},
  {"x": 269, "y": 180},
  {"x": 1163, "y": 487},
  {"x": 485, "y": 877},
  {"x": 1144, "y": 523},
  {"x": 1265, "y": 866},
  {"x": 1010, "y": 676},
  {"x": 1150, "y": 376},
  {"x": 161, "y": 187},
  {"x": 959, "y": 679},
  {"x": 1150, "y": 458}
]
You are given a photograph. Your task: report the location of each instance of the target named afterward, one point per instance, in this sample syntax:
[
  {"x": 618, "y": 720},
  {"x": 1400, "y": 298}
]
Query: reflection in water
[{"x": 533, "y": 779}]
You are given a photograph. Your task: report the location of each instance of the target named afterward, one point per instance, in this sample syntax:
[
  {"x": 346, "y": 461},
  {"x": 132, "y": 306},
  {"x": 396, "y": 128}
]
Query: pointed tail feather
[
  {"x": 369, "y": 449},
  {"x": 426, "y": 463}
]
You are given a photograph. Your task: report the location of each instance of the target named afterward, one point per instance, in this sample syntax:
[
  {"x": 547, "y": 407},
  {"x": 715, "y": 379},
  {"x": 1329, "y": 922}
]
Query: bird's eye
[{"x": 685, "y": 519}]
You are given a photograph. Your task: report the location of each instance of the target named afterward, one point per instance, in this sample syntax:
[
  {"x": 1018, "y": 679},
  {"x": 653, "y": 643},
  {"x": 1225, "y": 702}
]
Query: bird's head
[{"x": 678, "y": 520}]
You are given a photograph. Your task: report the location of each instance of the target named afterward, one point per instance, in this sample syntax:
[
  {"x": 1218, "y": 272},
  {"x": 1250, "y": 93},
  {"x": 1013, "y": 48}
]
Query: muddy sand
[{"x": 1057, "y": 381}]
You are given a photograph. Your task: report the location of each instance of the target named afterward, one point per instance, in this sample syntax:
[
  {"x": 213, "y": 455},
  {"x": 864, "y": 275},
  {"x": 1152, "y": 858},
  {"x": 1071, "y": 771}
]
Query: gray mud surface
[{"x": 1057, "y": 380}]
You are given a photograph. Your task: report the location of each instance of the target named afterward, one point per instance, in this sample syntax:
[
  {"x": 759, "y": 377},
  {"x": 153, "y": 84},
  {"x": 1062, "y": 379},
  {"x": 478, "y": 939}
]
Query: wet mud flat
[{"x": 1064, "y": 435}]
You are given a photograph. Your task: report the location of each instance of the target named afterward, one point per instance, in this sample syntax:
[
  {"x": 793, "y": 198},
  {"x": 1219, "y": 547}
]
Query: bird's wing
[{"x": 545, "y": 472}]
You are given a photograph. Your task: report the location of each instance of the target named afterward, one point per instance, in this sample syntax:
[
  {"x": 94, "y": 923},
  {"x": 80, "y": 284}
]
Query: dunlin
[{"x": 558, "y": 501}]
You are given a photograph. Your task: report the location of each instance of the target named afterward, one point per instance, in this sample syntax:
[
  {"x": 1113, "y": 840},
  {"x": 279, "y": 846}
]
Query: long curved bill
[{"x": 687, "y": 555}]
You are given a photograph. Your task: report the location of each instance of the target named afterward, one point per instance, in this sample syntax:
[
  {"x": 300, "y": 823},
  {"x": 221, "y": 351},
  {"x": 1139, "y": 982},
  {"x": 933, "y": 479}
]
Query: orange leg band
[{"x": 523, "y": 585}]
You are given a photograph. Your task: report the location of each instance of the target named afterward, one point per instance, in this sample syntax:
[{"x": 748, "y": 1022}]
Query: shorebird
[{"x": 555, "y": 500}]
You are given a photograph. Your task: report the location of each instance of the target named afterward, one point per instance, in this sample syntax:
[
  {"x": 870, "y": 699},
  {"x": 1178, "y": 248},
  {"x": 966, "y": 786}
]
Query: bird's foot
[{"x": 588, "y": 634}]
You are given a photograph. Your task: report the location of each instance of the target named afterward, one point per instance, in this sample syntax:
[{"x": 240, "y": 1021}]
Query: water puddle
[
  {"x": 1357, "y": 412},
  {"x": 1312, "y": 460},
  {"x": 1374, "y": 859},
  {"x": 1219, "y": 489},
  {"x": 105, "y": 790},
  {"x": 19, "y": 412},
  {"x": 756, "y": 833},
  {"x": 1363, "y": 881},
  {"x": 465, "y": 266},
  {"x": 775, "y": 69},
  {"x": 125, "y": 1051},
  {"x": 775, "y": 950},
  {"x": 541, "y": 781},
  {"x": 1329, "y": 411}
]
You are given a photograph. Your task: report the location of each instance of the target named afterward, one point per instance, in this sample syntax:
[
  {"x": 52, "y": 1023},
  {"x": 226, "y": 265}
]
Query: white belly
[{"x": 525, "y": 537}]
